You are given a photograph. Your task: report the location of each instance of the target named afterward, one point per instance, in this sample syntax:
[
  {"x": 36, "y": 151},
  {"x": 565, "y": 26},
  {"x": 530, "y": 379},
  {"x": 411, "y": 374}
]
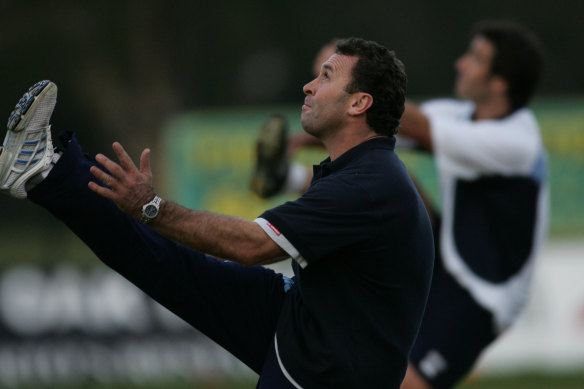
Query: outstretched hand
[{"x": 126, "y": 185}]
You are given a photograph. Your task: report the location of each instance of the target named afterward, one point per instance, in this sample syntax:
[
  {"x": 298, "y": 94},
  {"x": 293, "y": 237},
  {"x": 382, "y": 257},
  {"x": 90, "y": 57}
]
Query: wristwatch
[{"x": 150, "y": 210}]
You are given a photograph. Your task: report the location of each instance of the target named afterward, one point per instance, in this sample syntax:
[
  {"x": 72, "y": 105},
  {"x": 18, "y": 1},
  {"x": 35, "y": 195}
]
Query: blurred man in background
[
  {"x": 492, "y": 170},
  {"x": 347, "y": 319}
]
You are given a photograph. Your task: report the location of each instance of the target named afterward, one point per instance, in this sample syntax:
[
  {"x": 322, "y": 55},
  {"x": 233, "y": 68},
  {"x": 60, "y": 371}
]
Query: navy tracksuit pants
[{"x": 234, "y": 305}]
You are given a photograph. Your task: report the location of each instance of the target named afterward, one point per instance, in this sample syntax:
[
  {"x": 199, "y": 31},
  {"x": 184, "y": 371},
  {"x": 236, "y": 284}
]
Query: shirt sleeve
[
  {"x": 281, "y": 241},
  {"x": 505, "y": 146},
  {"x": 321, "y": 222}
]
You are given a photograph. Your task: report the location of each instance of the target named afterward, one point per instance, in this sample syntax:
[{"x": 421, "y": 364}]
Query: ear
[
  {"x": 360, "y": 103},
  {"x": 499, "y": 85}
]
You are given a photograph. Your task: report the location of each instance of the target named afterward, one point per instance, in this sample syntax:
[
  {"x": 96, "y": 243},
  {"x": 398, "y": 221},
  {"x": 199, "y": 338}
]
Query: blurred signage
[{"x": 63, "y": 325}]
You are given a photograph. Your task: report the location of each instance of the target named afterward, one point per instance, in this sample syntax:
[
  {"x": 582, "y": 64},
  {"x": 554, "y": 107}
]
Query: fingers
[
  {"x": 105, "y": 178},
  {"x": 119, "y": 171},
  {"x": 116, "y": 170},
  {"x": 125, "y": 185},
  {"x": 100, "y": 190},
  {"x": 123, "y": 181},
  {"x": 145, "y": 163},
  {"x": 125, "y": 160}
]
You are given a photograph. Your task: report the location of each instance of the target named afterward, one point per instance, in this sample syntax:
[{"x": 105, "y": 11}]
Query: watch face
[{"x": 151, "y": 211}]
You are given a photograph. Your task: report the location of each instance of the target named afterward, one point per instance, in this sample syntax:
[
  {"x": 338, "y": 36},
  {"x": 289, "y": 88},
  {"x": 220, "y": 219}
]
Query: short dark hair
[
  {"x": 518, "y": 58},
  {"x": 379, "y": 73}
]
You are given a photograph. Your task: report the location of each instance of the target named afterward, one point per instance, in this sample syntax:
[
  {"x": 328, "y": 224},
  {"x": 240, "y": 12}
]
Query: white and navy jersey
[{"x": 492, "y": 175}]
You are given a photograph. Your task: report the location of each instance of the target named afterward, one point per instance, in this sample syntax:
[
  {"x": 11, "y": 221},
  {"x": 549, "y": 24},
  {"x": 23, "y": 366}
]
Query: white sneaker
[{"x": 28, "y": 149}]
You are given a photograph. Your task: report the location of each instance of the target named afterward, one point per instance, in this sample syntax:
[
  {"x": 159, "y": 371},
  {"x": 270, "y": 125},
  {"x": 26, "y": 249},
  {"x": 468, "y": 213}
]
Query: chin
[
  {"x": 309, "y": 129},
  {"x": 460, "y": 94}
]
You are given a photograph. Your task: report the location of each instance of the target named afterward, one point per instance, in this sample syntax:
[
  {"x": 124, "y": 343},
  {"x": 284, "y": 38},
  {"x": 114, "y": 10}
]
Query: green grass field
[
  {"x": 520, "y": 381},
  {"x": 527, "y": 381}
]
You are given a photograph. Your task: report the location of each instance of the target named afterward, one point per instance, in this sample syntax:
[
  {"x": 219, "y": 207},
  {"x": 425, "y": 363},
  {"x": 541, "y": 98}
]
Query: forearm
[
  {"x": 222, "y": 236},
  {"x": 225, "y": 237},
  {"x": 415, "y": 124}
]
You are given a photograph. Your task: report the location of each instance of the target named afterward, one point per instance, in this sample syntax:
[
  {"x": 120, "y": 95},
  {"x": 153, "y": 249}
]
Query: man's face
[
  {"x": 474, "y": 71},
  {"x": 326, "y": 102}
]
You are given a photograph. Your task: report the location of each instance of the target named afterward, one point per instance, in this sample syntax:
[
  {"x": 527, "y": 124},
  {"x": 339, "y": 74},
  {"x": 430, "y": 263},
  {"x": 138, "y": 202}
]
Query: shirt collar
[{"x": 383, "y": 142}]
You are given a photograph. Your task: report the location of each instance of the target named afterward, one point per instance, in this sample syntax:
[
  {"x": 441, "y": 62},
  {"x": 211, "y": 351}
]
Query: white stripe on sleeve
[{"x": 281, "y": 241}]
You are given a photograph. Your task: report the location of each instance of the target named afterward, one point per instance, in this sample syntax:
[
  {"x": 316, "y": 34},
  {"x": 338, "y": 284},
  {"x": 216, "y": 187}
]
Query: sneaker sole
[
  {"x": 20, "y": 117},
  {"x": 272, "y": 139},
  {"x": 271, "y": 154}
]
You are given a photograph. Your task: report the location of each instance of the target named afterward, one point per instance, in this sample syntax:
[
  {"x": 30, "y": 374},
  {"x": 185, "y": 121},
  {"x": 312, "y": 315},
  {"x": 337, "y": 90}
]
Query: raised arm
[
  {"x": 414, "y": 124},
  {"x": 222, "y": 236}
]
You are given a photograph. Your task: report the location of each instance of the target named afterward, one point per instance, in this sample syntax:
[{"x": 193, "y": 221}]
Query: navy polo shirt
[{"x": 363, "y": 257}]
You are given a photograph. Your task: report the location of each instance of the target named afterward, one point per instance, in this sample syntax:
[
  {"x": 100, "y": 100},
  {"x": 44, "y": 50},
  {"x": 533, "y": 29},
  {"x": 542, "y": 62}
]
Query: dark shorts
[{"x": 454, "y": 331}]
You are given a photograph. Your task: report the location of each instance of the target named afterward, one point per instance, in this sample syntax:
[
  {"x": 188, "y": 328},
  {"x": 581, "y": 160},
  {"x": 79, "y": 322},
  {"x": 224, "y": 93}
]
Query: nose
[{"x": 310, "y": 88}]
